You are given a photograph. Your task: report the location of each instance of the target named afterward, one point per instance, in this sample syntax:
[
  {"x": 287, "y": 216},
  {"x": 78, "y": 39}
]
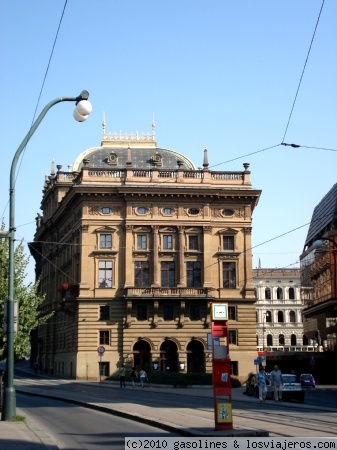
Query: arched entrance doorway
[
  {"x": 195, "y": 357},
  {"x": 168, "y": 356},
  {"x": 142, "y": 355}
]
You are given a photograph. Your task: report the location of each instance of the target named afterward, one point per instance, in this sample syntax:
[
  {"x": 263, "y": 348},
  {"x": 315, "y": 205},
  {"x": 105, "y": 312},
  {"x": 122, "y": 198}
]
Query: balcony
[{"x": 176, "y": 292}]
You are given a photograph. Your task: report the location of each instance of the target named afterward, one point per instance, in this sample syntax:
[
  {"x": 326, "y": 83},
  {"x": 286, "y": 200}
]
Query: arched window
[
  {"x": 267, "y": 293},
  {"x": 279, "y": 293},
  {"x": 280, "y": 317},
  {"x": 293, "y": 340},
  {"x": 291, "y": 293},
  {"x": 268, "y": 316},
  {"x": 281, "y": 339},
  {"x": 269, "y": 340},
  {"x": 292, "y": 317}
]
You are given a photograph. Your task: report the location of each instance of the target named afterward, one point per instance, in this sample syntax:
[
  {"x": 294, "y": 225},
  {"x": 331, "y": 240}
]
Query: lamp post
[
  {"x": 265, "y": 315},
  {"x": 81, "y": 112}
]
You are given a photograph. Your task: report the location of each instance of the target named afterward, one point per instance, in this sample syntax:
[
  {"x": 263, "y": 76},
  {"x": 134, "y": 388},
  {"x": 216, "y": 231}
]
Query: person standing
[
  {"x": 122, "y": 375},
  {"x": 133, "y": 376},
  {"x": 261, "y": 383},
  {"x": 142, "y": 377},
  {"x": 277, "y": 383}
]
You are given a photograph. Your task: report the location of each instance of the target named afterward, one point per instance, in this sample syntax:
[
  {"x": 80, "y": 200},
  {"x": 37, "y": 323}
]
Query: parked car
[
  {"x": 307, "y": 380},
  {"x": 251, "y": 389},
  {"x": 292, "y": 388}
]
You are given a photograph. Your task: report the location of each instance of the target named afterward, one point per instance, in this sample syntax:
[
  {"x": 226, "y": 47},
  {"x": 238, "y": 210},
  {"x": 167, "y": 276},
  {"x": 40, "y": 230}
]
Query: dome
[{"x": 117, "y": 150}]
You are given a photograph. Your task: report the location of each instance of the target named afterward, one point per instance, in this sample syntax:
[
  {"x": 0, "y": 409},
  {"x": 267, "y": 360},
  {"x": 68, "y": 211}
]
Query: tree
[{"x": 27, "y": 296}]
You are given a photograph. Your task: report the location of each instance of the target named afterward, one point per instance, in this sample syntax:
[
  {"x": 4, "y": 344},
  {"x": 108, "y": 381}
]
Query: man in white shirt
[{"x": 277, "y": 383}]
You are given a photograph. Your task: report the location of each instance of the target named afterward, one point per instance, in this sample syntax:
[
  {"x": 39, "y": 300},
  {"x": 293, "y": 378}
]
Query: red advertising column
[{"x": 221, "y": 368}]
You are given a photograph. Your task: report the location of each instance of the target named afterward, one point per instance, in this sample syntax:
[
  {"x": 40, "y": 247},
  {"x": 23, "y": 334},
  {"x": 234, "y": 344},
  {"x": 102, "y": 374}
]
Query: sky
[{"x": 220, "y": 74}]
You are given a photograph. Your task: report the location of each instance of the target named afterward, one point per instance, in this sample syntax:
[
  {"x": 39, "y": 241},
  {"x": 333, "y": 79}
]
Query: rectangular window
[
  {"x": 104, "y": 337},
  {"x": 168, "y": 312},
  {"x": 105, "y": 274},
  {"x": 234, "y": 368},
  {"x": 141, "y": 312},
  {"x": 193, "y": 274},
  {"x": 104, "y": 368},
  {"x": 167, "y": 241},
  {"x": 231, "y": 312},
  {"x": 167, "y": 274},
  {"x": 229, "y": 275},
  {"x": 141, "y": 274},
  {"x": 193, "y": 243},
  {"x": 104, "y": 312},
  {"x": 141, "y": 241},
  {"x": 232, "y": 337},
  {"x": 194, "y": 312},
  {"x": 105, "y": 240},
  {"x": 228, "y": 242}
]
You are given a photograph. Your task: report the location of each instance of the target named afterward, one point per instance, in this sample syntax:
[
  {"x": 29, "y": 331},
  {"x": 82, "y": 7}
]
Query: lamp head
[
  {"x": 318, "y": 244},
  {"x": 83, "y": 107}
]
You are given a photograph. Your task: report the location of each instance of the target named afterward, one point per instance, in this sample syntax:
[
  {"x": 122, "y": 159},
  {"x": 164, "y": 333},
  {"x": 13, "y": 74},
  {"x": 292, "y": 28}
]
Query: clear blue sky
[{"x": 216, "y": 73}]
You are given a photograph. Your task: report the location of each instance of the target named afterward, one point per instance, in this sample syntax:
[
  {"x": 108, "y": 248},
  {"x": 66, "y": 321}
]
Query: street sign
[{"x": 101, "y": 350}]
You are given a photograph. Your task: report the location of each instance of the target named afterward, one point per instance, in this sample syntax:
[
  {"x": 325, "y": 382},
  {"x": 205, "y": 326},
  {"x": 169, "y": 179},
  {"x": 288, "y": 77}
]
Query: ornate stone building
[
  {"x": 132, "y": 246},
  {"x": 319, "y": 275},
  {"x": 279, "y": 310}
]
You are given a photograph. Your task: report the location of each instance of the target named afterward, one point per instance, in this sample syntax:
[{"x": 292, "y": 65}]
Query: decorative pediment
[
  {"x": 228, "y": 231},
  {"x": 105, "y": 229}
]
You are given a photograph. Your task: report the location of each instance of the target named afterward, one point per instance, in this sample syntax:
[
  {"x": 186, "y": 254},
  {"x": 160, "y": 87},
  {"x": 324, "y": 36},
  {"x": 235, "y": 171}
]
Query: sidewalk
[{"x": 185, "y": 421}]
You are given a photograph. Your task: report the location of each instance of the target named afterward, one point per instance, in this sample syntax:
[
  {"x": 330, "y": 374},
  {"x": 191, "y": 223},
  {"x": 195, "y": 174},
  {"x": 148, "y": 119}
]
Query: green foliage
[
  {"x": 18, "y": 418},
  {"x": 27, "y": 296}
]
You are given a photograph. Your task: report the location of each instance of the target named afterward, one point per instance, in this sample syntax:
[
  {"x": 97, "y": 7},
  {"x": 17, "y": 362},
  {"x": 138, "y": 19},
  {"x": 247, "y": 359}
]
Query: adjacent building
[
  {"x": 279, "y": 310},
  {"x": 132, "y": 246},
  {"x": 319, "y": 275}
]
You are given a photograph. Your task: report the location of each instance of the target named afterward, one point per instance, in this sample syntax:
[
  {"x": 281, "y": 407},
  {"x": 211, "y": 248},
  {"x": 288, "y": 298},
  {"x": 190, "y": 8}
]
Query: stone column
[
  {"x": 207, "y": 260},
  {"x": 181, "y": 268},
  {"x": 129, "y": 272},
  {"x": 155, "y": 271}
]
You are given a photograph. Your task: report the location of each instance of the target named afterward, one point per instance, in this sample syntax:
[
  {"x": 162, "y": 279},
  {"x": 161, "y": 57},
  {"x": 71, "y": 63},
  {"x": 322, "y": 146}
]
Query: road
[
  {"x": 192, "y": 409},
  {"x": 67, "y": 426}
]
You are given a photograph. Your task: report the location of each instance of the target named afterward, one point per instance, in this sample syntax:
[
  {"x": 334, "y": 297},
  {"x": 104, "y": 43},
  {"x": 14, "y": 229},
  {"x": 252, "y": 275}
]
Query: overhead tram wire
[
  {"x": 40, "y": 94},
  {"x": 304, "y": 67}
]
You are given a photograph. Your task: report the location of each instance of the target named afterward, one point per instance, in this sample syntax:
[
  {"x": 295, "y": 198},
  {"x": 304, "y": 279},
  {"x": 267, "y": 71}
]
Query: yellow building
[{"x": 133, "y": 245}]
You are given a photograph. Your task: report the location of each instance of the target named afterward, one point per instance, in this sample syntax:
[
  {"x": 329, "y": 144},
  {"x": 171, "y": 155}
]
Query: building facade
[
  {"x": 279, "y": 310},
  {"x": 319, "y": 274},
  {"x": 133, "y": 245}
]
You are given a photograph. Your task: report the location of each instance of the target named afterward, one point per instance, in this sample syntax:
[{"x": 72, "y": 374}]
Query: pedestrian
[
  {"x": 142, "y": 377},
  {"x": 277, "y": 383},
  {"x": 261, "y": 383},
  {"x": 133, "y": 376},
  {"x": 122, "y": 375}
]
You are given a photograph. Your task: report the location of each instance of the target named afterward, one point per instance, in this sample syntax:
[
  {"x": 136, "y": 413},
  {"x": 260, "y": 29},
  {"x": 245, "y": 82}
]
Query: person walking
[
  {"x": 133, "y": 376},
  {"x": 277, "y": 383},
  {"x": 261, "y": 383},
  {"x": 122, "y": 375},
  {"x": 142, "y": 377}
]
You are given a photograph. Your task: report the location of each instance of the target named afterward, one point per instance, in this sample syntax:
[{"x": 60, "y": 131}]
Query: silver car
[{"x": 292, "y": 388}]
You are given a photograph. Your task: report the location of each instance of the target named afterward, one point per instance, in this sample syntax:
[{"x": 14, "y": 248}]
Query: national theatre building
[{"x": 132, "y": 246}]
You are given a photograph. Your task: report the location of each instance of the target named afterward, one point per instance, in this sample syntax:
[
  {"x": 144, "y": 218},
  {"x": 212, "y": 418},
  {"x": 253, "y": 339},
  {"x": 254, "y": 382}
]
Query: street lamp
[
  {"x": 82, "y": 110},
  {"x": 265, "y": 315},
  {"x": 319, "y": 243}
]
